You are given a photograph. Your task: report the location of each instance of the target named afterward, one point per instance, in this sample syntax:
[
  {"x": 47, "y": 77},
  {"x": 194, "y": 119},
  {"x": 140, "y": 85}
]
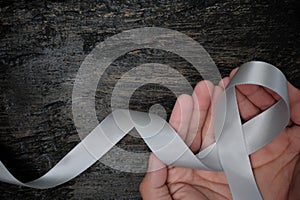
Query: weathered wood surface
[{"x": 42, "y": 45}]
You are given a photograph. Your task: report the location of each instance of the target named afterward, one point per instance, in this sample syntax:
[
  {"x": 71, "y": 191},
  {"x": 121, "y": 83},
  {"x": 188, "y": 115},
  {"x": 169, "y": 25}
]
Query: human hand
[{"x": 276, "y": 166}]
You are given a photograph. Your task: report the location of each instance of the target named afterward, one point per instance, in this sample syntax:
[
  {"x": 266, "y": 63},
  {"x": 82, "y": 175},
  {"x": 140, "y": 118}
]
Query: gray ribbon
[{"x": 234, "y": 141}]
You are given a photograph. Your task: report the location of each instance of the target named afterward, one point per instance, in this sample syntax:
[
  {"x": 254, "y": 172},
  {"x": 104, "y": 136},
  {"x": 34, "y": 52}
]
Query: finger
[
  {"x": 208, "y": 136},
  {"x": 281, "y": 142},
  {"x": 256, "y": 94},
  {"x": 181, "y": 115},
  {"x": 233, "y": 72},
  {"x": 224, "y": 82},
  {"x": 294, "y": 97},
  {"x": 202, "y": 96},
  {"x": 246, "y": 108},
  {"x": 273, "y": 94},
  {"x": 153, "y": 186}
]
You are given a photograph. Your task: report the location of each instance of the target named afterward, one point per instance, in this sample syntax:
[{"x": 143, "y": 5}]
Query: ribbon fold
[{"x": 234, "y": 141}]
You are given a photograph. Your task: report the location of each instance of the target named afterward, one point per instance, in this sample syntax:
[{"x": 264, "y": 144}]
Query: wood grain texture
[{"x": 43, "y": 43}]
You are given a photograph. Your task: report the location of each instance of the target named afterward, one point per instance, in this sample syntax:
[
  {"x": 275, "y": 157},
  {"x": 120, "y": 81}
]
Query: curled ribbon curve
[{"x": 234, "y": 141}]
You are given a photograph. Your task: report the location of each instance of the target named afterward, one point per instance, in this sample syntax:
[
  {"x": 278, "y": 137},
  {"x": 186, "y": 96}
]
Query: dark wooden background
[{"x": 43, "y": 43}]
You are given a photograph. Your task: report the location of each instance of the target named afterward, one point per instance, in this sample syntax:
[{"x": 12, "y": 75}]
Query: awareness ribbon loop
[{"x": 234, "y": 141}]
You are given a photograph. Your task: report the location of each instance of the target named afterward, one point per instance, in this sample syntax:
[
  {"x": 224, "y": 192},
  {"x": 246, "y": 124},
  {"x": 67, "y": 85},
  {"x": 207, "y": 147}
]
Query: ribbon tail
[
  {"x": 234, "y": 156},
  {"x": 81, "y": 157}
]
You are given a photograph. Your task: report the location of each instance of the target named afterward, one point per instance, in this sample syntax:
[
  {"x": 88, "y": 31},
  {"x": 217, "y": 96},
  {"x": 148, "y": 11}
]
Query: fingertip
[
  {"x": 202, "y": 96},
  {"x": 185, "y": 99},
  {"x": 185, "y": 104},
  {"x": 233, "y": 72},
  {"x": 204, "y": 90},
  {"x": 224, "y": 82},
  {"x": 177, "y": 109},
  {"x": 204, "y": 86}
]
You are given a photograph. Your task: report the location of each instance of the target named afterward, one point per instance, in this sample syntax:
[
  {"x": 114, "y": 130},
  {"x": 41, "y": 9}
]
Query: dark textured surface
[{"x": 42, "y": 45}]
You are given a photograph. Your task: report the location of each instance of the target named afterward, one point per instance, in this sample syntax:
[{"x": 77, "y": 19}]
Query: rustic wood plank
[{"x": 43, "y": 44}]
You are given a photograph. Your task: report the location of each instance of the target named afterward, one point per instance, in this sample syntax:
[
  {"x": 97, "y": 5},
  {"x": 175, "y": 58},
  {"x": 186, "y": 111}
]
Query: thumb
[{"x": 153, "y": 186}]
